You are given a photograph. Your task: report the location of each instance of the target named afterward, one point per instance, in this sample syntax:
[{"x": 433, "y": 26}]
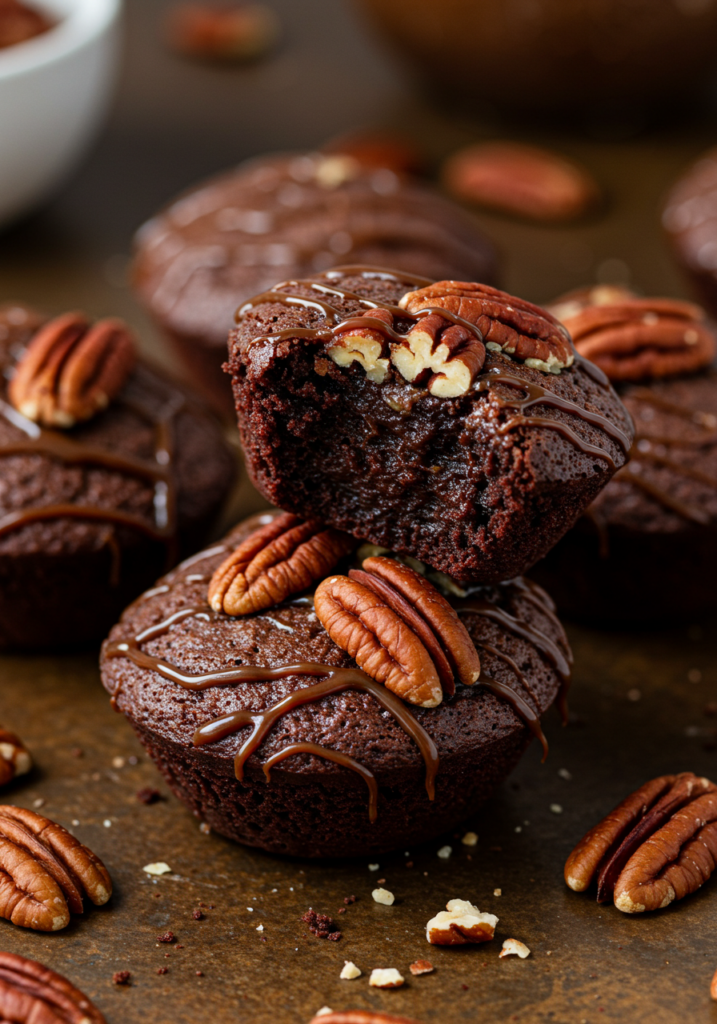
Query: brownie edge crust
[
  {"x": 469, "y": 485},
  {"x": 312, "y": 806}
]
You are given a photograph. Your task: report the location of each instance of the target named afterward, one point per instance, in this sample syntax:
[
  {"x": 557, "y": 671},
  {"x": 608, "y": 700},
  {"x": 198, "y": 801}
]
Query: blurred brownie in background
[{"x": 285, "y": 217}]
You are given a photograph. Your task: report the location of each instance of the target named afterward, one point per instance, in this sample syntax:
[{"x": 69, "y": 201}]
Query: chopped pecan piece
[
  {"x": 14, "y": 757},
  {"x": 658, "y": 845},
  {"x": 71, "y": 370},
  {"x": 33, "y": 994},
  {"x": 506, "y": 324},
  {"x": 636, "y": 339},
  {"x": 459, "y": 924},
  {"x": 421, "y": 967},
  {"x": 45, "y": 871},
  {"x": 282, "y": 558},
  {"x": 364, "y": 344},
  {"x": 398, "y": 629}
]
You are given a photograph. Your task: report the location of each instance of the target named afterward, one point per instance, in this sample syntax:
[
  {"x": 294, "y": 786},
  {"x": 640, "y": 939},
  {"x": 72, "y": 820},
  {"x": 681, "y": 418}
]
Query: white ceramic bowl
[{"x": 54, "y": 91}]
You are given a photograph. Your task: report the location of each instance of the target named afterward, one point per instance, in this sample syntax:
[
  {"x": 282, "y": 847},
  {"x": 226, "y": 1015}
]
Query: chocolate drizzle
[
  {"x": 64, "y": 448},
  {"x": 534, "y": 394},
  {"x": 334, "y": 680}
]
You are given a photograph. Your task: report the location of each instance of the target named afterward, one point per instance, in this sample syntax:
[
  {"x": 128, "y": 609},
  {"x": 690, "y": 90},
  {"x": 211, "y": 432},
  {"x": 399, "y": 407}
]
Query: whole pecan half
[
  {"x": 525, "y": 181},
  {"x": 31, "y": 993},
  {"x": 398, "y": 629},
  {"x": 282, "y": 558},
  {"x": 45, "y": 871},
  {"x": 72, "y": 369},
  {"x": 14, "y": 757},
  {"x": 658, "y": 845},
  {"x": 507, "y": 324},
  {"x": 361, "y": 1017},
  {"x": 637, "y": 339}
]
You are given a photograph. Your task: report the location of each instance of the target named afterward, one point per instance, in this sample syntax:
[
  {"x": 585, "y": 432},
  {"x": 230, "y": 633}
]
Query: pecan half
[
  {"x": 446, "y": 357},
  {"x": 361, "y": 343},
  {"x": 398, "y": 629},
  {"x": 509, "y": 325},
  {"x": 282, "y": 558},
  {"x": 658, "y": 845},
  {"x": 460, "y": 923},
  {"x": 524, "y": 181},
  {"x": 45, "y": 872},
  {"x": 14, "y": 757},
  {"x": 361, "y": 1017},
  {"x": 637, "y": 339},
  {"x": 72, "y": 369},
  {"x": 31, "y": 993}
]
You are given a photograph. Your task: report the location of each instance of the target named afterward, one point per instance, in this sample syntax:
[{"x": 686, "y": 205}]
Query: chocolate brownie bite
[
  {"x": 450, "y": 422},
  {"x": 646, "y": 549},
  {"x": 108, "y": 472},
  {"x": 282, "y": 217},
  {"x": 354, "y": 765}
]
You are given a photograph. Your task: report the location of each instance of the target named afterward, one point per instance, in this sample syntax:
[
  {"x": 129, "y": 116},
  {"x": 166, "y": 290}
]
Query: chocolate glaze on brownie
[
  {"x": 479, "y": 486},
  {"x": 646, "y": 549},
  {"x": 312, "y": 805},
  {"x": 283, "y": 217},
  {"x": 90, "y": 516}
]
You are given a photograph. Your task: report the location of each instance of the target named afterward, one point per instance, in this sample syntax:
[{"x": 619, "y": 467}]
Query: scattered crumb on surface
[
  {"x": 349, "y": 971},
  {"x": 513, "y": 947},
  {"x": 158, "y": 868},
  {"x": 445, "y": 852},
  {"x": 386, "y": 977},
  {"x": 470, "y": 839}
]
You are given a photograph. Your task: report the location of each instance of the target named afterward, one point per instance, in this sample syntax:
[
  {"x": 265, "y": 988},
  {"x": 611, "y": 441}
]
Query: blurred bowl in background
[
  {"x": 54, "y": 91},
  {"x": 555, "y": 56}
]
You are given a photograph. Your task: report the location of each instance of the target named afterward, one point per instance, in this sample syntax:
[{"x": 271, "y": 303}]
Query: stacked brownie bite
[{"x": 427, "y": 442}]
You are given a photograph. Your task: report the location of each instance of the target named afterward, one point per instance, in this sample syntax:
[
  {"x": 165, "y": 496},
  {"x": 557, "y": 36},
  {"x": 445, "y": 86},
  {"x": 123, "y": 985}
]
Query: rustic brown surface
[{"x": 639, "y": 700}]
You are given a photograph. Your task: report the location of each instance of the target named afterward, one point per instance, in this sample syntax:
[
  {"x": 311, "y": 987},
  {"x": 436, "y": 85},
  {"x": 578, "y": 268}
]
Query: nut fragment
[
  {"x": 360, "y": 1017},
  {"x": 33, "y": 994},
  {"x": 459, "y": 924},
  {"x": 45, "y": 872},
  {"x": 282, "y": 558},
  {"x": 398, "y": 629},
  {"x": 349, "y": 971},
  {"x": 507, "y": 324},
  {"x": 658, "y": 845},
  {"x": 421, "y": 967},
  {"x": 386, "y": 977},
  {"x": 240, "y": 32},
  {"x": 513, "y": 947},
  {"x": 631, "y": 338},
  {"x": 383, "y": 896},
  {"x": 521, "y": 180},
  {"x": 71, "y": 370},
  {"x": 363, "y": 342},
  {"x": 14, "y": 757}
]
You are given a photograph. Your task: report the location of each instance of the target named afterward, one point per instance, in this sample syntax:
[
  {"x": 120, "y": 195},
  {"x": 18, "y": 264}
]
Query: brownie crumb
[
  {"x": 162, "y": 970},
  {"x": 198, "y": 915},
  {"x": 121, "y": 977},
  {"x": 167, "y": 937},
  {"x": 348, "y": 900},
  {"x": 321, "y": 925},
  {"x": 148, "y": 795},
  {"x": 77, "y": 752},
  {"x": 199, "y": 974}
]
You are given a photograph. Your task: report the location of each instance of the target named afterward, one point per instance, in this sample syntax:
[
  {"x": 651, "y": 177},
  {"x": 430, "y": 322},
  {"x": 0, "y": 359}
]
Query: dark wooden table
[{"x": 638, "y": 701}]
